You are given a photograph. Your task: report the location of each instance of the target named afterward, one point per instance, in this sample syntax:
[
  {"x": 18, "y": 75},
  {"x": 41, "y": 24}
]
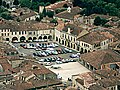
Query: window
[
  {"x": 8, "y": 34},
  {"x": 68, "y": 37},
  {"x": 2, "y": 34},
  {"x": 25, "y": 32},
  {"x": 82, "y": 44},
  {"x": 34, "y": 33},
  {"x": 30, "y": 33},
  {"x": 74, "y": 39},
  {"x": 71, "y": 38},
  {"x": 15, "y": 33},
  {"x": 20, "y": 33}
]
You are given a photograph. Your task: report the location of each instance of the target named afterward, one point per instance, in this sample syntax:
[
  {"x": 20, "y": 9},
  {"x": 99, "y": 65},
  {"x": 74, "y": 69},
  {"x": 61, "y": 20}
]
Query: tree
[
  {"x": 0, "y": 2},
  {"x": 6, "y": 16},
  {"x": 7, "y": 5},
  {"x": 50, "y": 14},
  {"x": 44, "y": 12},
  {"x": 4, "y": 3},
  {"x": 54, "y": 21},
  {"x": 25, "y": 3},
  {"x": 100, "y": 21},
  {"x": 16, "y": 2}
]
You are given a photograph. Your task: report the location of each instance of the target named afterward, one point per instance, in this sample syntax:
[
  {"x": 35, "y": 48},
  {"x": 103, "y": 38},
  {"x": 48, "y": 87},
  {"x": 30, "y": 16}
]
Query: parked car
[
  {"x": 55, "y": 67},
  {"x": 74, "y": 56},
  {"x": 56, "y": 45},
  {"x": 59, "y": 62},
  {"x": 68, "y": 50},
  {"x": 54, "y": 52},
  {"x": 22, "y": 45},
  {"x": 41, "y": 60}
]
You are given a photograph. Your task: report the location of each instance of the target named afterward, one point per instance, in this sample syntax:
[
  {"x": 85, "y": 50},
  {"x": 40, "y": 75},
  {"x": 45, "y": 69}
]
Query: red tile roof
[
  {"x": 98, "y": 58},
  {"x": 93, "y": 37},
  {"x": 67, "y": 15}
]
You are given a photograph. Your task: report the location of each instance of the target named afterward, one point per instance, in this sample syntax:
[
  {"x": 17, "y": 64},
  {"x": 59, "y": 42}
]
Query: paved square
[{"x": 68, "y": 69}]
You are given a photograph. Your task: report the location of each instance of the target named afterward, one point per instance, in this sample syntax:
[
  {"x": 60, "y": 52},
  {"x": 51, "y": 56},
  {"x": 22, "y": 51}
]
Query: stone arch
[
  {"x": 7, "y": 39},
  {"x": 65, "y": 43},
  {"x": 59, "y": 40},
  {"x": 14, "y": 39},
  {"x": 68, "y": 44},
  {"x": 71, "y": 45},
  {"x": 74, "y": 46},
  {"x": 78, "y": 48},
  {"x": 40, "y": 37},
  {"x": 85, "y": 51},
  {"x": 56, "y": 38},
  {"x": 50, "y": 37},
  {"x": 45, "y": 37},
  {"x": 22, "y": 39},
  {"x": 81, "y": 51},
  {"x": 30, "y": 38},
  {"x": 62, "y": 42},
  {"x": 34, "y": 38}
]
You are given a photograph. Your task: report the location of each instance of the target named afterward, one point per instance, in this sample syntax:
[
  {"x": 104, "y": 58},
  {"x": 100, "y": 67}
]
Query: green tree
[
  {"x": 50, "y": 14},
  {"x": 8, "y": 6},
  {"x": 97, "y": 21},
  {"x": 44, "y": 12},
  {"x": 25, "y": 3},
  {"x": 54, "y": 21},
  {"x": 6, "y": 16},
  {"x": 16, "y": 2},
  {"x": 0, "y": 2},
  {"x": 100, "y": 21},
  {"x": 4, "y": 3}
]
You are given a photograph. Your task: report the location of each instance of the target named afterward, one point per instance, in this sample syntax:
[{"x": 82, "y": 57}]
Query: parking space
[{"x": 47, "y": 53}]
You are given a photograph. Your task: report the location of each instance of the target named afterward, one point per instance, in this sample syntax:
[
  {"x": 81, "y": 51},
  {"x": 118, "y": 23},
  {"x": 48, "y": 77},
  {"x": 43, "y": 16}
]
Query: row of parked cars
[
  {"x": 55, "y": 60},
  {"x": 39, "y": 46},
  {"x": 51, "y": 51}
]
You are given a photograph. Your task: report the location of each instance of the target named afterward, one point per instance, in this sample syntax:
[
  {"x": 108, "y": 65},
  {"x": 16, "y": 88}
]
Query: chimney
[
  {"x": 69, "y": 9},
  {"x": 69, "y": 30}
]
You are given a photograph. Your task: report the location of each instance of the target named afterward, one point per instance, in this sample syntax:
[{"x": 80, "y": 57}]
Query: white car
[
  {"x": 59, "y": 62},
  {"x": 56, "y": 45},
  {"x": 41, "y": 60}
]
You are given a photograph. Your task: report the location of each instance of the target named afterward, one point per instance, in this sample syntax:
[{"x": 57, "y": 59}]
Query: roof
[
  {"x": 93, "y": 37},
  {"x": 23, "y": 13},
  {"x": 26, "y": 26},
  {"x": 6, "y": 66},
  {"x": 105, "y": 73},
  {"x": 41, "y": 83},
  {"x": 98, "y": 58},
  {"x": 96, "y": 87},
  {"x": 60, "y": 25},
  {"x": 104, "y": 16},
  {"x": 56, "y": 5},
  {"x": 81, "y": 81},
  {"x": 67, "y": 15},
  {"x": 108, "y": 82},
  {"x": 29, "y": 66},
  {"x": 6, "y": 48},
  {"x": 74, "y": 29}
]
